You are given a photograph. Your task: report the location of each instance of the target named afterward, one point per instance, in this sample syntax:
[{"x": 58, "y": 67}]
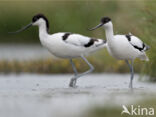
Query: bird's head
[
  {"x": 37, "y": 20},
  {"x": 40, "y": 19},
  {"x": 105, "y": 21}
]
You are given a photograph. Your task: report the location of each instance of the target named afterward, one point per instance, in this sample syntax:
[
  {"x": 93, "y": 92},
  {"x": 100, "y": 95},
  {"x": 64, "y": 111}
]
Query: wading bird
[
  {"x": 123, "y": 47},
  {"x": 65, "y": 44}
]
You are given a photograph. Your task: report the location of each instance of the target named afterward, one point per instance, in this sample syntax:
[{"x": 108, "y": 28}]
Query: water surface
[{"x": 33, "y": 95}]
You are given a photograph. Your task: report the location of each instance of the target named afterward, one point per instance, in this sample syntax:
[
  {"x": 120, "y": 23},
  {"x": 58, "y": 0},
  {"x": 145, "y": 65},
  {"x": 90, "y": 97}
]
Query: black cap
[{"x": 105, "y": 20}]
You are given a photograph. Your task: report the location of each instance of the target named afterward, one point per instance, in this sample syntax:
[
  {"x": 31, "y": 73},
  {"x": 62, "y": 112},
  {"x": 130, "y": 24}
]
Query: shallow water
[
  {"x": 15, "y": 52},
  {"x": 32, "y": 95}
]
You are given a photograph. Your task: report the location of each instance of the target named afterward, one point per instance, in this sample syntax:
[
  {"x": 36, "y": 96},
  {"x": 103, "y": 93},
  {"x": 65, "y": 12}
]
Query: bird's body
[
  {"x": 66, "y": 45},
  {"x": 123, "y": 47}
]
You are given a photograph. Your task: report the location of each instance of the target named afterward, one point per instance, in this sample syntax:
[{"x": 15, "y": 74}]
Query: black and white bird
[
  {"x": 123, "y": 47},
  {"x": 65, "y": 44}
]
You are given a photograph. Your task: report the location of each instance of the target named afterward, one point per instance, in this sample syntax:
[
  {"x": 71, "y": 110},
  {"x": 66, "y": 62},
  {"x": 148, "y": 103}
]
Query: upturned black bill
[
  {"x": 98, "y": 26},
  {"x": 22, "y": 29}
]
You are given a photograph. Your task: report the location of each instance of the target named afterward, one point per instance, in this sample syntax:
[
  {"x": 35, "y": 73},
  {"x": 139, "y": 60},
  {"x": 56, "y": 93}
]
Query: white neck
[
  {"x": 43, "y": 31},
  {"x": 109, "y": 32},
  {"x": 43, "y": 34}
]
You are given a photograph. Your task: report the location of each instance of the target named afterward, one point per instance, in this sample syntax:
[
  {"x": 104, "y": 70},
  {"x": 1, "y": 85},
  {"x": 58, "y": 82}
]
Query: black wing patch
[
  {"x": 91, "y": 42},
  {"x": 140, "y": 49},
  {"x": 66, "y": 35},
  {"x": 128, "y": 36}
]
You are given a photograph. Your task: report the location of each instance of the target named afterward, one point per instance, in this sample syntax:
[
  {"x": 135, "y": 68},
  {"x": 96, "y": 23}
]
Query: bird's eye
[{"x": 35, "y": 19}]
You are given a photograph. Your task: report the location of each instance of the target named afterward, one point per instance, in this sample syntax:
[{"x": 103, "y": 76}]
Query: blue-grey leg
[
  {"x": 73, "y": 66},
  {"x": 132, "y": 73},
  {"x": 73, "y": 80}
]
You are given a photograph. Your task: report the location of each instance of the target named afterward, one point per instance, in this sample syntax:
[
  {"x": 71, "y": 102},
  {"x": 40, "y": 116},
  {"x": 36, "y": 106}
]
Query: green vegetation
[
  {"x": 59, "y": 66},
  {"x": 137, "y": 17},
  {"x": 100, "y": 60}
]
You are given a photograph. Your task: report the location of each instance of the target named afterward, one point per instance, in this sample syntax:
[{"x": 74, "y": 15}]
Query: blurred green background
[{"x": 136, "y": 16}]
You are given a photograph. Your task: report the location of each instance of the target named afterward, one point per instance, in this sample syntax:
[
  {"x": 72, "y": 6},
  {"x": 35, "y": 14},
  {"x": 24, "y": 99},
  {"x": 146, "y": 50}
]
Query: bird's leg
[
  {"x": 73, "y": 66},
  {"x": 73, "y": 80},
  {"x": 132, "y": 73},
  {"x": 90, "y": 65},
  {"x": 82, "y": 74}
]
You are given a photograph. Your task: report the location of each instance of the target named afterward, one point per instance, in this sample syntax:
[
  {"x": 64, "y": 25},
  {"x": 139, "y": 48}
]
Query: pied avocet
[
  {"x": 65, "y": 44},
  {"x": 123, "y": 47}
]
